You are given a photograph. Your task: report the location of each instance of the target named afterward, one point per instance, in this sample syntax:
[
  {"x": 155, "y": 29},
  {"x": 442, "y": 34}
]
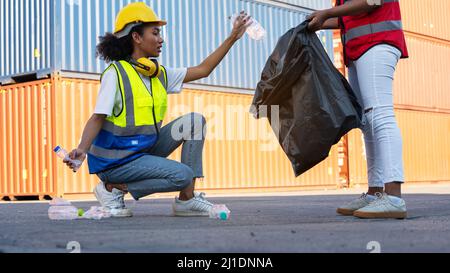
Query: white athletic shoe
[
  {"x": 350, "y": 208},
  {"x": 383, "y": 207},
  {"x": 197, "y": 206},
  {"x": 112, "y": 201}
]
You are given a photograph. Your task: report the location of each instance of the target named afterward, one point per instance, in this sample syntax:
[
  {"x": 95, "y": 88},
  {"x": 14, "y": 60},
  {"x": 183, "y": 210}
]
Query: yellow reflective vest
[{"x": 125, "y": 136}]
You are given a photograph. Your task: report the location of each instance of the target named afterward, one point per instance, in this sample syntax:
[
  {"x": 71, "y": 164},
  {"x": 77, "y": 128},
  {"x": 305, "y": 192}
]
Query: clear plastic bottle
[
  {"x": 61, "y": 209},
  {"x": 63, "y": 154},
  {"x": 220, "y": 212},
  {"x": 255, "y": 30},
  {"x": 63, "y": 213}
]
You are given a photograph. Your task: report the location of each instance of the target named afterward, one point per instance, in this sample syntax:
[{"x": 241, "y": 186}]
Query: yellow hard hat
[{"x": 133, "y": 15}]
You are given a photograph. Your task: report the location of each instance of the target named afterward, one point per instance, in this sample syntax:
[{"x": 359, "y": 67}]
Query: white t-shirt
[{"x": 109, "y": 99}]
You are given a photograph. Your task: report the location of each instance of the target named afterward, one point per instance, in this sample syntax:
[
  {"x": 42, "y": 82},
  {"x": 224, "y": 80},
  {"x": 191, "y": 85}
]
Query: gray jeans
[{"x": 154, "y": 173}]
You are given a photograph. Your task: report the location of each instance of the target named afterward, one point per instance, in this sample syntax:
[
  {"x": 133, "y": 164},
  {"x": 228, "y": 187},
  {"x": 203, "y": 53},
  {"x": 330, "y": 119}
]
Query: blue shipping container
[{"x": 40, "y": 37}]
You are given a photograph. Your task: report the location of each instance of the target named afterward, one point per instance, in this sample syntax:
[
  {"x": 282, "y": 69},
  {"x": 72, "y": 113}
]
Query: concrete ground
[{"x": 294, "y": 222}]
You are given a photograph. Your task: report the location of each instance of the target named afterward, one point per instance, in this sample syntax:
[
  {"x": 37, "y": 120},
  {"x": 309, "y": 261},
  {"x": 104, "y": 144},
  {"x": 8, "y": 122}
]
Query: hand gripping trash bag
[{"x": 317, "y": 106}]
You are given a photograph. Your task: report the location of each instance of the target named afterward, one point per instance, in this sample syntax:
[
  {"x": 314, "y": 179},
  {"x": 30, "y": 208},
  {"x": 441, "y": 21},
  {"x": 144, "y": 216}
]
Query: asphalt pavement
[{"x": 260, "y": 224}]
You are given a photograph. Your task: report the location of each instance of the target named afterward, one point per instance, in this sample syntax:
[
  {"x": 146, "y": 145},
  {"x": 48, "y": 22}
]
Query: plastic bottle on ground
[
  {"x": 61, "y": 209},
  {"x": 220, "y": 212},
  {"x": 96, "y": 213}
]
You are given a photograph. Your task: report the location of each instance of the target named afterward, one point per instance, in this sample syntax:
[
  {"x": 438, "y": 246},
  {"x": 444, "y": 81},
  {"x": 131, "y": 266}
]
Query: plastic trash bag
[{"x": 317, "y": 106}]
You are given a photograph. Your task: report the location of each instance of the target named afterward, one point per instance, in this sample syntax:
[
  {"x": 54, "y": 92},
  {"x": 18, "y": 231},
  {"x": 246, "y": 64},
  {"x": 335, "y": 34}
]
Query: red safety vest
[{"x": 364, "y": 31}]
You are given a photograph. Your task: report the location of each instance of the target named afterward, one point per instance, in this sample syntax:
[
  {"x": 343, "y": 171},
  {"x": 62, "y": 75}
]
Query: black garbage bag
[{"x": 317, "y": 106}]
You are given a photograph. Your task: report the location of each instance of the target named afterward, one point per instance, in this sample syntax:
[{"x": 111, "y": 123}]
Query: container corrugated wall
[
  {"x": 428, "y": 17},
  {"x": 421, "y": 96},
  {"x": 238, "y": 159},
  {"x": 426, "y": 148},
  {"x": 25, "y": 140},
  {"x": 423, "y": 80},
  {"x": 229, "y": 164},
  {"x": 233, "y": 160},
  {"x": 309, "y": 4},
  {"x": 25, "y": 37},
  {"x": 195, "y": 28},
  {"x": 73, "y": 103}
]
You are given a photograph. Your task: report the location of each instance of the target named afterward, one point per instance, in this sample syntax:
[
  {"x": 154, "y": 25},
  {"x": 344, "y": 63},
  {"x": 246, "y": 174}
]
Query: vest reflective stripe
[
  {"x": 131, "y": 130},
  {"x": 109, "y": 153},
  {"x": 129, "y": 98},
  {"x": 372, "y": 29}
]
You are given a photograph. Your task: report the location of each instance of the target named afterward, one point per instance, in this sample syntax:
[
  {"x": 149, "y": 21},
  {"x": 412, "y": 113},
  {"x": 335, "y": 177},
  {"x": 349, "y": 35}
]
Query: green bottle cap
[
  {"x": 80, "y": 212},
  {"x": 223, "y": 216}
]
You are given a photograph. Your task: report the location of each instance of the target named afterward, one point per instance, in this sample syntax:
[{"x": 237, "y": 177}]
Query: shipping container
[
  {"x": 421, "y": 96},
  {"x": 423, "y": 17},
  {"x": 57, "y": 39},
  {"x": 241, "y": 152},
  {"x": 26, "y": 138},
  {"x": 303, "y": 4},
  {"x": 40, "y": 115},
  {"x": 427, "y": 17},
  {"x": 426, "y": 148},
  {"x": 423, "y": 80},
  {"x": 39, "y": 37}
]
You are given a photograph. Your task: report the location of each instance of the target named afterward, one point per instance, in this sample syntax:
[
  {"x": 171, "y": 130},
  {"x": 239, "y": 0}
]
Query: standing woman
[
  {"x": 124, "y": 142},
  {"x": 374, "y": 42}
]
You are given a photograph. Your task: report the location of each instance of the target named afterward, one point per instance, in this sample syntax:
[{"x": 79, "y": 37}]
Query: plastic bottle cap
[
  {"x": 81, "y": 212},
  {"x": 223, "y": 215},
  {"x": 57, "y": 149}
]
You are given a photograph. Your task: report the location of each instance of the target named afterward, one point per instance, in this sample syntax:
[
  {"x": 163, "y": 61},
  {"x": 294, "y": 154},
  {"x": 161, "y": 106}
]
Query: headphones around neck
[{"x": 147, "y": 67}]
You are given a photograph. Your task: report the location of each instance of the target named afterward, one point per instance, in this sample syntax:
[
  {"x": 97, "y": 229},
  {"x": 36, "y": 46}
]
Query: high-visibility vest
[
  {"x": 135, "y": 128},
  {"x": 364, "y": 31}
]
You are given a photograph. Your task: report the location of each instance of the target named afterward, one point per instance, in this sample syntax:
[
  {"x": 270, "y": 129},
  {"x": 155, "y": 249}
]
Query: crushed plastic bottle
[
  {"x": 63, "y": 154},
  {"x": 61, "y": 209},
  {"x": 255, "y": 30},
  {"x": 220, "y": 212},
  {"x": 96, "y": 213}
]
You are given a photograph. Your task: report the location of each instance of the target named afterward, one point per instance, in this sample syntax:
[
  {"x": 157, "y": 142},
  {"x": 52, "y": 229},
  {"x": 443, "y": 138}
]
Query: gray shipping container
[{"x": 40, "y": 37}]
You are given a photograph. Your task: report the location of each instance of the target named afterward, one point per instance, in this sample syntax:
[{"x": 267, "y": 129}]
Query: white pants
[{"x": 372, "y": 76}]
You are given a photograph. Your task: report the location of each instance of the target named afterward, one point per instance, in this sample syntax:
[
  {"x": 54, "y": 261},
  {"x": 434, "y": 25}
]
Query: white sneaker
[
  {"x": 354, "y": 205},
  {"x": 197, "y": 206},
  {"x": 383, "y": 207},
  {"x": 112, "y": 201}
]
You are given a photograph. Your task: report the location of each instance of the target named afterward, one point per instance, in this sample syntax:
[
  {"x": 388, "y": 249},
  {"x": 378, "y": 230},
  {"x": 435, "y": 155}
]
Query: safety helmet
[{"x": 134, "y": 15}]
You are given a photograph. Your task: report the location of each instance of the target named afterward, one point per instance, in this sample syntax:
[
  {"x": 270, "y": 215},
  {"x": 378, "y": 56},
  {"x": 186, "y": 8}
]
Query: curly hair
[{"x": 112, "y": 48}]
